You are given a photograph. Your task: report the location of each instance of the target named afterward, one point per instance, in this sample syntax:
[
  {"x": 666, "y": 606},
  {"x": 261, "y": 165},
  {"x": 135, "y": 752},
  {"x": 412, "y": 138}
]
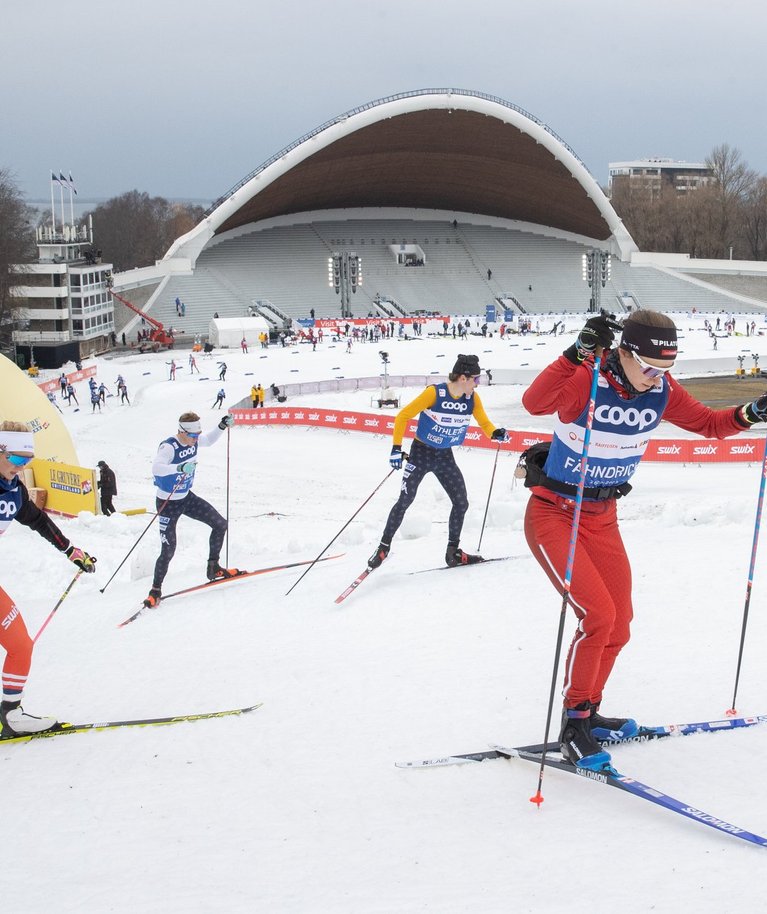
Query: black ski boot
[
  {"x": 615, "y": 728},
  {"x": 577, "y": 743},
  {"x": 456, "y": 556},
  {"x": 216, "y": 573},
  {"x": 379, "y": 555},
  {"x": 155, "y": 595}
]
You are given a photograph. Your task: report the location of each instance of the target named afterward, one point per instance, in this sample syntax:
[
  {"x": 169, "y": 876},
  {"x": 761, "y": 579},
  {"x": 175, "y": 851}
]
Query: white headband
[
  {"x": 194, "y": 427},
  {"x": 17, "y": 442}
]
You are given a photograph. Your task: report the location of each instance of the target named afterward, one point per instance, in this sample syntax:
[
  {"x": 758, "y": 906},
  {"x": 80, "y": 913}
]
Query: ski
[
  {"x": 645, "y": 734},
  {"x": 62, "y": 729},
  {"x": 611, "y": 778},
  {"x": 354, "y": 585},
  {"x": 236, "y": 577},
  {"x": 501, "y": 558}
]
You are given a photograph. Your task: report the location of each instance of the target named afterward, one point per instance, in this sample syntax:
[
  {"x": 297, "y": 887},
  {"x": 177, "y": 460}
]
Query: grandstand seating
[{"x": 288, "y": 267}]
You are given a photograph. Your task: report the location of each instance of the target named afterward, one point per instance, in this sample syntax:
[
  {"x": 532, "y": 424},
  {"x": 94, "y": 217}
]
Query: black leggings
[
  {"x": 423, "y": 460},
  {"x": 198, "y": 509}
]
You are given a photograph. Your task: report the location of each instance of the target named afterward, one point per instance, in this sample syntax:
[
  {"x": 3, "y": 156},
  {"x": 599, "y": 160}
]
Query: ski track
[{"x": 299, "y": 808}]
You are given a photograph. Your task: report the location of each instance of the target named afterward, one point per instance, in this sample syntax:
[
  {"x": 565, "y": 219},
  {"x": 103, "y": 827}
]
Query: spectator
[{"x": 107, "y": 485}]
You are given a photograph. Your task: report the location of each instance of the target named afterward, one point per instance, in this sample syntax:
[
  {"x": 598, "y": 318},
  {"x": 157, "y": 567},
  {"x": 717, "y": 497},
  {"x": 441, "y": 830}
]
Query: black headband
[{"x": 651, "y": 342}]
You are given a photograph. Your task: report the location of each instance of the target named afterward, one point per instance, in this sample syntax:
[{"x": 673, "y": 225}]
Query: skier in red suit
[{"x": 635, "y": 391}]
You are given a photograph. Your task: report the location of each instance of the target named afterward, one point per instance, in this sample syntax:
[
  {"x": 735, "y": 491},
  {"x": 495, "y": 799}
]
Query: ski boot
[
  {"x": 612, "y": 728},
  {"x": 577, "y": 743},
  {"x": 16, "y": 722},
  {"x": 155, "y": 595},
  {"x": 216, "y": 573},
  {"x": 456, "y": 556},
  {"x": 378, "y": 556}
]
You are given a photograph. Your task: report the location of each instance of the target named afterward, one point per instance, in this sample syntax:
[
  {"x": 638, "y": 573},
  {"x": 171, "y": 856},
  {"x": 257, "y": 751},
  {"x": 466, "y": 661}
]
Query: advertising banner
[
  {"x": 693, "y": 450},
  {"x": 70, "y": 488}
]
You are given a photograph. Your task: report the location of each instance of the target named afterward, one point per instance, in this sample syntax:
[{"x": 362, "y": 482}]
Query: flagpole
[
  {"x": 53, "y": 210},
  {"x": 71, "y": 201},
  {"x": 61, "y": 195}
]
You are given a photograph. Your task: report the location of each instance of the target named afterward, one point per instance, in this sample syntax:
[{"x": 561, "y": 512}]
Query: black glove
[
  {"x": 597, "y": 332},
  {"x": 83, "y": 561},
  {"x": 227, "y": 421},
  {"x": 395, "y": 458},
  {"x": 499, "y": 435},
  {"x": 756, "y": 411}
]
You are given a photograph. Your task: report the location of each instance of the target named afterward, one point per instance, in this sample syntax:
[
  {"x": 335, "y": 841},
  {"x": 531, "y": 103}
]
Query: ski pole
[
  {"x": 157, "y": 514},
  {"x": 492, "y": 480},
  {"x": 757, "y": 524},
  {"x": 404, "y": 456},
  {"x": 61, "y": 600},
  {"x": 228, "y": 441},
  {"x": 537, "y": 798}
]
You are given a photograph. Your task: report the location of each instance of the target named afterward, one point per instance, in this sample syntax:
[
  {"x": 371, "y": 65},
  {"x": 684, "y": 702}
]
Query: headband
[
  {"x": 17, "y": 443},
  {"x": 651, "y": 342},
  {"x": 194, "y": 427}
]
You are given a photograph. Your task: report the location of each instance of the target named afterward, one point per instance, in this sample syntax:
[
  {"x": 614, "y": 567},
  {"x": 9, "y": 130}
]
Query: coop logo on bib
[{"x": 630, "y": 416}]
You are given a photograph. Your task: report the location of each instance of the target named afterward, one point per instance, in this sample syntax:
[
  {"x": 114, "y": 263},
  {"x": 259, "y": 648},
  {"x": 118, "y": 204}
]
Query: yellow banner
[{"x": 70, "y": 489}]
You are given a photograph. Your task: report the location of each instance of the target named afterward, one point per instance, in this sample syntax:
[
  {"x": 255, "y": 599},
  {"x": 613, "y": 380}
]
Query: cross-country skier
[
  {"x": 445, "y": 412},
  {"x": 16, "y": 450},
  {"x": 174, "y": 468},
  {"x": 220, "y": 396},
  {"x": 635, "y": 391}
]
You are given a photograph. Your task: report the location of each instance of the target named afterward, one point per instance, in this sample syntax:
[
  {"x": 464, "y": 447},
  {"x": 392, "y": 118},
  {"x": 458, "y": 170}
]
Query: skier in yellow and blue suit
[{"x": 445, "y": 413}]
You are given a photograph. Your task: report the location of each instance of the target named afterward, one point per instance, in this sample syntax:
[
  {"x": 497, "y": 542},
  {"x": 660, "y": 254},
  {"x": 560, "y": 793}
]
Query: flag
[
  {"x": 72, "y": 183},
  {"x": 54, "y": 178},
  {"x": 62, "y": 179}
]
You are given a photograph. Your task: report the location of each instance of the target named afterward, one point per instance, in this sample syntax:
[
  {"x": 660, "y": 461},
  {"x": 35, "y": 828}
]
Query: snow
[{"x": 298, "y": 807}]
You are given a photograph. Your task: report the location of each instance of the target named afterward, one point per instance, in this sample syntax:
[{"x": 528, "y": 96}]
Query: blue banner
[{"x": 490, "y": 313}]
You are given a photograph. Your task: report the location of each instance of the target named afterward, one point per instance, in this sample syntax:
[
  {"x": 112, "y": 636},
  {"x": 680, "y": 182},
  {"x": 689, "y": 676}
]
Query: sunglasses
[
  {"x": 650, "y": 371},
  {"x": 19, "y": 460},
  {"x": 194, "y": 435}
]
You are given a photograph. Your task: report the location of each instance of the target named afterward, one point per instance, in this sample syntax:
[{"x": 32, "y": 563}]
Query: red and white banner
[
  {"x": 73, "y": 377},
  {"x": 692, "y": 450}
]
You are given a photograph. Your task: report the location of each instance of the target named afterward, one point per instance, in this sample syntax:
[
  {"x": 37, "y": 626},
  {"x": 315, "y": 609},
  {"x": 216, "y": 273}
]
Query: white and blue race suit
[{"x": 174, "y": 498}]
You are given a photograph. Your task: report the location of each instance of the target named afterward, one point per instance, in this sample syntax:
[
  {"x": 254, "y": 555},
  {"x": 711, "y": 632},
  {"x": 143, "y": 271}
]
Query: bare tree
[
  {"x": 755, "y": 220},
  {"x": 17, "y": 246},
  {"x": 135, "y": 230},
  {"x": 733, "y": 181}
]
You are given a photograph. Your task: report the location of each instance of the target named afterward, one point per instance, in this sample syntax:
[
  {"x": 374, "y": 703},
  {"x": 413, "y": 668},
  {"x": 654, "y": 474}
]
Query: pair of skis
[
  {"x": 237, "y": 577},
  {"x": 361, "y": 577},
  {"x": 612, "y": 778},
  {"x": 62, "y": 729}
]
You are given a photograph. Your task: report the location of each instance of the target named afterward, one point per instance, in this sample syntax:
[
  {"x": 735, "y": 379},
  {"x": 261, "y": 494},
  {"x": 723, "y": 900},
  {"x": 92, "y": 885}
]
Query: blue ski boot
[
  {"x": 577, "y": 743},
  {"x": 612, "y": 728}
]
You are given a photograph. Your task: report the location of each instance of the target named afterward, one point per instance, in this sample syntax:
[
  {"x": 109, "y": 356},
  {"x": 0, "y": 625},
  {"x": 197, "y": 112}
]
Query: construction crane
[{"x": 159, "y": 337}]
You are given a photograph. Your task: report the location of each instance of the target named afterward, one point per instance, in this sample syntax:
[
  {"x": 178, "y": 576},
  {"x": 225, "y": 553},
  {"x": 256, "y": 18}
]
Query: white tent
[{"x": 228, "y": 332}]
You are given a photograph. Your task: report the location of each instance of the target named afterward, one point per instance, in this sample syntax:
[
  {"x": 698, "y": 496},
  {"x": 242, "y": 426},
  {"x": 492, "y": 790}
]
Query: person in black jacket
[
  {"x": 108, "y": 487},
  {"x": 16, "y": 450}
]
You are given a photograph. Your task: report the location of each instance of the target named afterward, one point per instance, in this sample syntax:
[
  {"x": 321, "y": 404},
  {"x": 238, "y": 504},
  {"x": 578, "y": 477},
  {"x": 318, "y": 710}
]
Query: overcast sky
[{"x": 183, "y": 99}]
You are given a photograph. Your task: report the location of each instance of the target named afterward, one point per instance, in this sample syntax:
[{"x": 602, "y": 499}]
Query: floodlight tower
[
  {"x": 345, "y": 276},
  {"x": 596, "y": 273}
]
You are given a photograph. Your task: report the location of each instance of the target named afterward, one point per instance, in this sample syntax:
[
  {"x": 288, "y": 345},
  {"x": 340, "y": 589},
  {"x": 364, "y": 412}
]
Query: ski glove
[
  {"x": 499, "y": 435},
  {"x": 80, "y": 558},
  {"x": 227, "y": 421},
  {"x": 395, "y": 458},
  {"x": 597, "y": 332},
  {"x": 188, "y": 468},
  {"x": 756, "y": 411}
]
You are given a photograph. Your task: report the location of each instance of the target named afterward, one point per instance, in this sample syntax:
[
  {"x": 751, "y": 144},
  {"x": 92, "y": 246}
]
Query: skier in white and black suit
[{"x": 173, "y": 469}]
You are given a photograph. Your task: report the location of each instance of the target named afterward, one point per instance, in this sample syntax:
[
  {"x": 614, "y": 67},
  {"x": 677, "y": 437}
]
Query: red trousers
[
  {"x": 600, "y": 591},
  {"x": 14, "y": 638}
]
